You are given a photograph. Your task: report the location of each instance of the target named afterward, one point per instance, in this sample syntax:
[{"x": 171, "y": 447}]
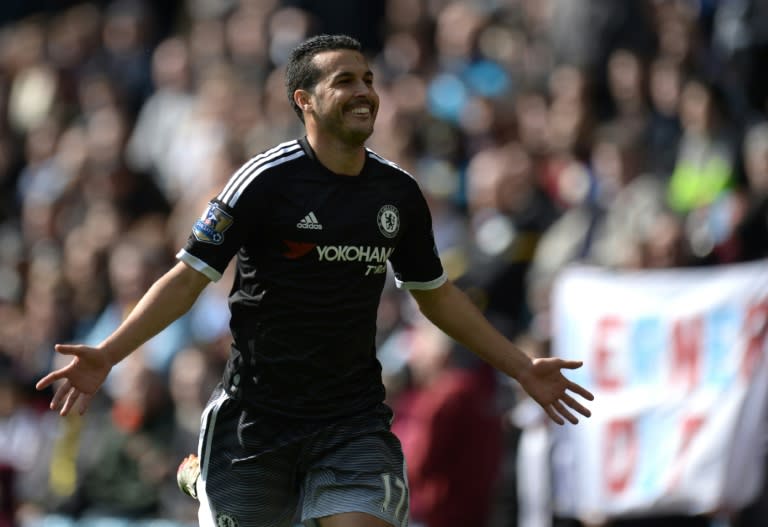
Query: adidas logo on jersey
[{"x": 310, "y": 222}]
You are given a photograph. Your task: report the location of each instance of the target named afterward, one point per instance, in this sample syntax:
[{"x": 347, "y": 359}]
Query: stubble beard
[
  {"x": 350, "y": 135},
  {"x": 357, "y": 137}
]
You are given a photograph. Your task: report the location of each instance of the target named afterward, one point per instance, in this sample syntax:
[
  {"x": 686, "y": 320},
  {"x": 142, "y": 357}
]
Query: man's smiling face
[{"x": 344, "y": 102}]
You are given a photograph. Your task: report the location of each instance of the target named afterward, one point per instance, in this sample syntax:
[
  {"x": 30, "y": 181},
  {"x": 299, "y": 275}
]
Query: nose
[{"x": 363, "y": 88}]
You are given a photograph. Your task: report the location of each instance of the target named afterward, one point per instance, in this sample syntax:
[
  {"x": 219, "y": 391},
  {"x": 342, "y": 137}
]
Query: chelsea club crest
[{"x": 388, "y": 220}]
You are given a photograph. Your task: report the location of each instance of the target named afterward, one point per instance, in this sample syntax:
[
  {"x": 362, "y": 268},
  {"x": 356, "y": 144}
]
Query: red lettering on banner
[
  {"x": 686, "y": 351},
  {"x": 605, "y": 376},
  {"x": 620, "y": 455},
  {"x": 691, "y": 426},
  {"x": 756, "y": 330}
]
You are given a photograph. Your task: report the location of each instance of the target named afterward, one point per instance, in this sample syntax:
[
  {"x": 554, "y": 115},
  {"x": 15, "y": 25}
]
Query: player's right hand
[{"x": 81, "y": 378}]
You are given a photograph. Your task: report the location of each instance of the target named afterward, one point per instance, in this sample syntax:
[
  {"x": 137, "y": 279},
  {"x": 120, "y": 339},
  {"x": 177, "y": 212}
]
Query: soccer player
[{"x": 298, "y": 425}]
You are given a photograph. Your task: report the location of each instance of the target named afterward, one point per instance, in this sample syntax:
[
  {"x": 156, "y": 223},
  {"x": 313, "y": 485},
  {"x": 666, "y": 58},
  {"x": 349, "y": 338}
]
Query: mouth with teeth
[{"x": 362, "y": 111}]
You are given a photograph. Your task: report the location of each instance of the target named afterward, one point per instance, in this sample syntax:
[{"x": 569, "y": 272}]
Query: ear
[{"x": 303, "y": 100}]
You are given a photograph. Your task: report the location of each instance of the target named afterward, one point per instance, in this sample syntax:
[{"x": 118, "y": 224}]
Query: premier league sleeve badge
[{"x": 212, "y": 224}]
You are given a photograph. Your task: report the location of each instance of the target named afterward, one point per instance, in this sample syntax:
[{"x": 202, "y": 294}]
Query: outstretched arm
[
  {"x": 168, "y": 298},
  {"x": 453, "y": 312}
]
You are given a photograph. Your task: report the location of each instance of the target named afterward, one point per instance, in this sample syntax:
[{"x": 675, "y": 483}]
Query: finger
[
  {"x": 61, "y": 392},
  {"x": 49, "y": 379},
  {"x": 70, "y": 401},
  {"x": 69, "y": 349},
  {"x": 571, "y": 364},
  {"x": 577, "y": 388},
  {"x": 85, "y": 400},
  {"x": 562, "y": 410},
  {"x": 553, "y": 415},
  {"x": 573, "y": 403}
]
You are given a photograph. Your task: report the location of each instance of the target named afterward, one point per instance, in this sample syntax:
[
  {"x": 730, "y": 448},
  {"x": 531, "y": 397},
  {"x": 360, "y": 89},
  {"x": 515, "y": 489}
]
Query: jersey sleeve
[
  {"x": 221, "y": 230},
  {"x": 415, "y": 261}
]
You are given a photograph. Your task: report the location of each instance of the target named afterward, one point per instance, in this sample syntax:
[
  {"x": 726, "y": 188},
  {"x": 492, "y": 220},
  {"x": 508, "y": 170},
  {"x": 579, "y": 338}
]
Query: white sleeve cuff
[
  {"x": 198, "y": 265},
  {"x": 422, "y": 286}
]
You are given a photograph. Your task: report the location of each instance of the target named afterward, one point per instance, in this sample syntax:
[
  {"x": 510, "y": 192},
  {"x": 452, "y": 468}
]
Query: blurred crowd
[{"x": 631, "y": 134}]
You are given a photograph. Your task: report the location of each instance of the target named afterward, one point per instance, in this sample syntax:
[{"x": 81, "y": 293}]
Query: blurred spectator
[
  {"x": 680, "y": 39},
  {"x": 533, "y": 468},
  {"x": 84, "y": 268},
  {"x": 46, "y": 315},
  {"x": 107, "y": 177},
  {"x": 247, "y": 40},
  {"x": 124, "y": 458},
  {"x": 41, "y": 183},
  {"x": 135, "y": 262},
  {"x": 740, "y": 35},
  {"x": 288, "y": 26},
  {"x": 73, "y": 40},
  {"x": 627, "y": 90},
  {"x": 663, "y": 131},
  {"x": 451, "y": 476},
  {"x": 127, "y": 37},
  {"x": 508, "y": 213},
  {"x": 26, "y": 434},
  {"x": 664, "y": 244},
  {"x": 614, "y": 205},
  {"x": 199, "y": 134},
  {"x": 33, "y": 85},
  {"x": 361, "y": 20},
  {"x": 163, "y": 111},
  {"x": 207, "y": 43},
  {"x": 752, "y": 230},
  {"x": 9, "y": 160},
  {"x": 193, "y": 373},
  {"x": 705, "y": 163}
]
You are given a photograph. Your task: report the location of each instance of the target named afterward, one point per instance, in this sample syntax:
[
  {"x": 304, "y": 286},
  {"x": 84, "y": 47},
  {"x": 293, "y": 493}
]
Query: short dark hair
[{"x": 300, "y": 71}]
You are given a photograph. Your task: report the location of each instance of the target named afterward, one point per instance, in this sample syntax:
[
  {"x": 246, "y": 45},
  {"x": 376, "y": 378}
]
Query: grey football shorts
[{"x": 354, "y": 465}]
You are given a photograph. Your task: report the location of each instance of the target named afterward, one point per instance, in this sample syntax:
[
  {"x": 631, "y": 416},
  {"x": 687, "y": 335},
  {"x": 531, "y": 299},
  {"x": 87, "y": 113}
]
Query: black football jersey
[{"x": 312, "y": 249}]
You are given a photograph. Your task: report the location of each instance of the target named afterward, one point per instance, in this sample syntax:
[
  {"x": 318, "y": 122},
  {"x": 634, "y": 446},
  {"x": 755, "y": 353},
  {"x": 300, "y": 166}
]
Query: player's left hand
[{"x": 547, "y": 385}]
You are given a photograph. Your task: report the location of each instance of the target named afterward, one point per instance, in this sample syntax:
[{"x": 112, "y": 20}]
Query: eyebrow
[{"x": 341, "y": 74}]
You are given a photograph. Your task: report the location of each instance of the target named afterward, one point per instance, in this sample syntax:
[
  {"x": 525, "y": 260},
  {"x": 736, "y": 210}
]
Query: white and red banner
[{"x": 678, "y": 363}]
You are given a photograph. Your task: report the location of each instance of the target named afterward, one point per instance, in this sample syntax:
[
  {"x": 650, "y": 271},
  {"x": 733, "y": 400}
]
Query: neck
[{"x": 337, "y": 156}]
